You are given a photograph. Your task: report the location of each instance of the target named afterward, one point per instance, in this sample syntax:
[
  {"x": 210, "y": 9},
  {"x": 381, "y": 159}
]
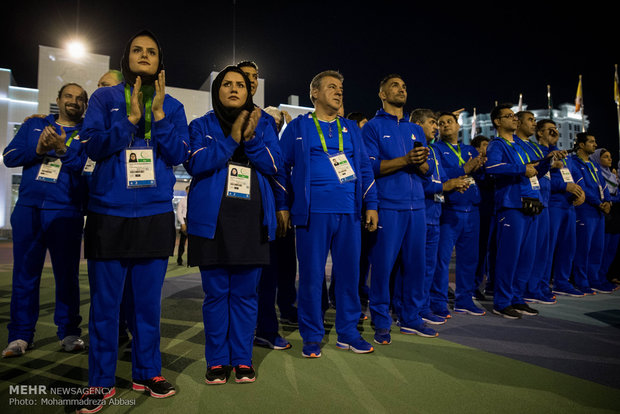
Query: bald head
[{"x": 110, "y": 78}]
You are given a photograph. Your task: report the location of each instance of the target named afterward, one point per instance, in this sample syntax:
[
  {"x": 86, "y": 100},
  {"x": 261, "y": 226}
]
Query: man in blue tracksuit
[
  {"x": 486, "y": 238},
  {"x": 566, "y": 193},
  {"x": 535, "y": 289},
  {"x": 48, "y": 216},
  {"x": 460, "y": 222},
  {"x": 590, "y": 218},
  {"x": 435, "y": 189},
  {"x": 517, "y": 201},
  {"x": 398, "y": 153},
  {"x": 327, "y": 181}
]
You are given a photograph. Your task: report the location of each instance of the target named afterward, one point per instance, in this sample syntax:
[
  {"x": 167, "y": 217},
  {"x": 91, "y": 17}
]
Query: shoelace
[
  {"x": 216, "y": 367},
  {"x": 244, "y": 367},
  {"x": 159, "y": 379}
]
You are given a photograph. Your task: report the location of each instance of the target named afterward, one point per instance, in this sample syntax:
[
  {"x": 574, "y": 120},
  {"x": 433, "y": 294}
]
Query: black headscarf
[
  {"x": 227, "y": 116},
  {"x": 129, "y": 76}
]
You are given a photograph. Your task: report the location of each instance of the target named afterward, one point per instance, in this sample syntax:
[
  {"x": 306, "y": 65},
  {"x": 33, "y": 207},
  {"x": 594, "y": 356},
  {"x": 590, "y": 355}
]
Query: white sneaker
[
  {"x": 15, "y": 348},
  {"x": 72, "y": 343}
]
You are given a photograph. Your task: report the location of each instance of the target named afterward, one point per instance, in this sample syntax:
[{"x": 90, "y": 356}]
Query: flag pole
[
  {"x": 473, "y": 127},
  {"x": 583, "y": 122},
  {"x": 549, "y": 106},
  {"x": 617, "y": 99}
]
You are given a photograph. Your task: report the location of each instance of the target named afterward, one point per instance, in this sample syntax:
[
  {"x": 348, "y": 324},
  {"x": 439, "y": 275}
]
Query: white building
[{"x": 568, "y": 122}]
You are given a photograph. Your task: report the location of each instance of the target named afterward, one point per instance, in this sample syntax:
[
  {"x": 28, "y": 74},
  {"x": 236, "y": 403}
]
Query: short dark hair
[
  {"x": 420, "y": 115},
  {"x": 387, "y": 78},
  {"x": 541, "y": 124},
  {"x": 478, "y": 140},
  {"x": 356, "y": 116},
  {"x": 581, "y": 138},
  {"x": 84, "y": 93},
  {"x": 521, "y": 114},
  {"x": 495, "y": 112},
  {"x": 246, "y": 63},
  {"x": 446, "y": 113}
]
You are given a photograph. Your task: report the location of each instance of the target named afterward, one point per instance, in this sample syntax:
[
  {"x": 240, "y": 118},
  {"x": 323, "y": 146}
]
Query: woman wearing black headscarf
[
  {"x": 130, "y": 230},
  {"x": 230, "y": 219}
]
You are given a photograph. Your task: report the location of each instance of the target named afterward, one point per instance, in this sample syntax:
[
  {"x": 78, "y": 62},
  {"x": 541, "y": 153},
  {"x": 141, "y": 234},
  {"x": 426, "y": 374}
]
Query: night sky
[{"x": 450, "y": 55}]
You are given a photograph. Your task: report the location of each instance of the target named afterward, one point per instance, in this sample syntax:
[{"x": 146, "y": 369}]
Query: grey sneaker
[
  {"x": 72, "y": 343},
  {"x": 15, "y": 348}
]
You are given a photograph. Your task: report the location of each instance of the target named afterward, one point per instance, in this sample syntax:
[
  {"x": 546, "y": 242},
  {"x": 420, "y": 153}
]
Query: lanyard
[
  {"x": 536, "y": 148},
  {"x": 592, "y": 172},
  {"x": 148, "y": 92},
  {"x": 458, "y": 154},
  {"x": 322, "y": 137},
  {"x": 511, "y": 146},
  {"x": 436, "y": 162},
  {"x": 70, "y": 140}
]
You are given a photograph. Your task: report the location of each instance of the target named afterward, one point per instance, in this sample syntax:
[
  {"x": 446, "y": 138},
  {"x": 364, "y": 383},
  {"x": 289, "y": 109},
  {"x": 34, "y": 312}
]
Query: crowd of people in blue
[{"x": 390, "y": 198}]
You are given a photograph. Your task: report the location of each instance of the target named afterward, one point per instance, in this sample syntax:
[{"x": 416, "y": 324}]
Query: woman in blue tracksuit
[
  {"x": 230, "y": 220},
  {"x": 130, "y": 230},
  {"x": 612, "y": 238}
]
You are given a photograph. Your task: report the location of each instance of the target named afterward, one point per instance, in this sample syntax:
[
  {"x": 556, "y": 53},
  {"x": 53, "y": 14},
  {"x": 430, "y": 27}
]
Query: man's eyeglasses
[
  {"x": 552, "y": 131},
  {"x": 508, "y": 116}
]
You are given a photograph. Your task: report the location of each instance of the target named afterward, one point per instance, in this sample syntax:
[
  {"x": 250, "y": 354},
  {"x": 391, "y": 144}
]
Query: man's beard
[{"x": 73, "y": 113}]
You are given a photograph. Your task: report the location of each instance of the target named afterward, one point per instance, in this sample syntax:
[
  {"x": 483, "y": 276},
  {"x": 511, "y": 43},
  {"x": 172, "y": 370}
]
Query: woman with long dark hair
[
  {"x": 230, "y": 220},
  {"x": 130, "y": 231}
]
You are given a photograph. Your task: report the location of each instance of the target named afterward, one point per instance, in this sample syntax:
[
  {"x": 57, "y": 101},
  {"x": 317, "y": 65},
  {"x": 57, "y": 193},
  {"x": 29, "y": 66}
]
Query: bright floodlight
[{"x": 76, "y": 48}]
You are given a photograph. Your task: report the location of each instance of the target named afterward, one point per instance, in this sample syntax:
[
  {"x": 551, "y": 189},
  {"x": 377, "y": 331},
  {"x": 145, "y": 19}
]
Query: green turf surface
[{"x": 413, "y": 375}]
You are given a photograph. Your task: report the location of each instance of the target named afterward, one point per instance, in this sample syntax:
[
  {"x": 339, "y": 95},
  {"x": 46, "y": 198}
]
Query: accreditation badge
[
  {"x": 534, "y": 183},
  {"x": 50, "y": 169},
  {"x": 89, "y": 167},
  {"x": 342, "y": 167},
  {"x": 601, "y": 192},
  {"x": 238, "y": 183},
  {"x": 140, "y": 167},
  {"x": 566, "y": 175}
]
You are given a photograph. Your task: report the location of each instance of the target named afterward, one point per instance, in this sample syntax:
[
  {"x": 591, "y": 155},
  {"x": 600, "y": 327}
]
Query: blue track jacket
[
  {"x": 107, "y": 133},
  {"x": 434, "y": 185},
  {"x": 592, "y": 177},
  {"x": 293, "y": 180},
  {"x": 450, "y": 162},
  {"x": 208, "y": 164},
  {"x": 559, "y": 197},
  {"x": 504, "y": 163},
  {"x": 68, "y": 191},
  {"x": 386, "y": 137}
]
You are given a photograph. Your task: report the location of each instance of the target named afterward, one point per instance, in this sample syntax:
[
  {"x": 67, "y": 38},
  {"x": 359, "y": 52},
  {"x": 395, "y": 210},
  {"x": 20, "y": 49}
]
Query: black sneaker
[
  {"x": 93, "y": 399},
  {"x": 217, "y": 374},
  {"x": 244, "y": 373},
  {"x": 478, "y": 295},
  {"x": 524, "y": 309},
  {"x": 157, "y": 387},
  {"x": 508, "y": 312},
  {"x": 289, "y": 319}
]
